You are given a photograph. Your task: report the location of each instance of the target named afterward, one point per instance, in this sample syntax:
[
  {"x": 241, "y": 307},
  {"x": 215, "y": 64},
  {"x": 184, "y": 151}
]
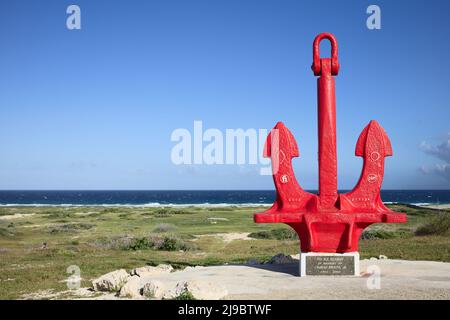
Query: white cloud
[{"x": 441, "y": 152}]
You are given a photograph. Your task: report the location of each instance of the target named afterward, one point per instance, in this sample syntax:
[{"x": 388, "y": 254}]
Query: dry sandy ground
[
  {"x": 227, "y": 237},
  {"x": 438, "y": 206},
  {"x": 16, "y": 216},
  {"x": 399, "y": 279}
]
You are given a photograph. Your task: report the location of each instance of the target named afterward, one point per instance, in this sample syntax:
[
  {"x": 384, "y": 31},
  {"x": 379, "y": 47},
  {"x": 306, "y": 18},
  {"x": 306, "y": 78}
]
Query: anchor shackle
[
  {"x": 325, "y": 68},
  {"x": 317, "y": 61}
]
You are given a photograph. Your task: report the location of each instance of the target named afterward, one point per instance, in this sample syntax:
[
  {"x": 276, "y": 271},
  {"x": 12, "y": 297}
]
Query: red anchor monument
[{"x": 328, "y": 224}]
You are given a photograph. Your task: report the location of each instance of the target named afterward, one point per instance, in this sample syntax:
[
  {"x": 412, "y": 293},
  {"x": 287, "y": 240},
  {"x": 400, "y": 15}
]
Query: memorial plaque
[{"x": 330, "y": 265}]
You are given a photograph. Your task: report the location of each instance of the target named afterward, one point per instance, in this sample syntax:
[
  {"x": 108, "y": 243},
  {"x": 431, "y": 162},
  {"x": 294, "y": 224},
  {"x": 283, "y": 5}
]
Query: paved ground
[{"x": 399, "y": 280}]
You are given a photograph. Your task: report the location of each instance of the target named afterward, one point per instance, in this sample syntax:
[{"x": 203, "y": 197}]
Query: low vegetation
[
  {"x": 164, "y": 227},
  {"x": 278, "y": 234},
  {"x": 70, "y": 227},
  {"x": 373, "y": 234},
  {"x": 439, "y": 226},
  {"x": 185, "y": 295},
  {"x": 37, "y": 246}
]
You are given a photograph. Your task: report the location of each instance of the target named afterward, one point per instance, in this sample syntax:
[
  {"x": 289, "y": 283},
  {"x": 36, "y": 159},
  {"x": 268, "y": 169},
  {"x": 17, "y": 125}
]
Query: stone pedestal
[{"x": 329, "y": 264}]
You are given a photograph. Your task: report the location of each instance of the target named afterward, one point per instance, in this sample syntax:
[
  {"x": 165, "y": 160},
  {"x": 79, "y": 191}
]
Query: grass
[{"x": 100, "y": 240}]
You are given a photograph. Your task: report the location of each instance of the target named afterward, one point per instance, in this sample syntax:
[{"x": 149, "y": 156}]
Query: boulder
[
  {"x": 200, "y": 289},
  {"x": 153, "y": 289},
  {"x": 112, "y": 281},
  {"x": 131, "y": 289},
  {"x": 281, "y": 258},
  {"x": 150, "y": 270}
]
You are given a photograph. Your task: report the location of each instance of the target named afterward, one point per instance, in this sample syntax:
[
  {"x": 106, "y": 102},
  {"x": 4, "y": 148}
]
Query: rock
[
  {"x": 382, "y": 257},
  {"x": 131, "y": 289},
  {"x": 112, "y": 281},
  {"x": 202, "y": 290},
  {"x": 153, "y": 289},
  {"x": 189, "y": 268},
  {"x": 281, "y": 258},
  {"x": 149, "y": 270},
  {"x": 295, "y": 256},
  {"x": 252, "y": 262}
]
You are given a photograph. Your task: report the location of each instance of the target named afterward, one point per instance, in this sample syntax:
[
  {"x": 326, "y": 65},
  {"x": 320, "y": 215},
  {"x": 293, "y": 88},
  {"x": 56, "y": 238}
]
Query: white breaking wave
[{"x": 145, "y": 205}]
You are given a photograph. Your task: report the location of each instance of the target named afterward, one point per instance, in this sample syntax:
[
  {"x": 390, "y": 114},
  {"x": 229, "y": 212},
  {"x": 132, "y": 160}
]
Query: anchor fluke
[
  {"x": 377, "y": 133},
  {"x": 280, "y": 134}
]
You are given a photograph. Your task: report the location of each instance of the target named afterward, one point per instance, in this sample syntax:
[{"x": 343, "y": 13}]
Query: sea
[{"x": 155, "y": 198}]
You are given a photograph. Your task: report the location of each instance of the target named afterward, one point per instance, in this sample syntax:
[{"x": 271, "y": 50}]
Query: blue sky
[{"x": 95, "y": 108}]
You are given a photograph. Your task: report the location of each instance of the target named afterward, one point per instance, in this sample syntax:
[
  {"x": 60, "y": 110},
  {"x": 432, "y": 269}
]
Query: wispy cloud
[{"x": 441, "y": 152}]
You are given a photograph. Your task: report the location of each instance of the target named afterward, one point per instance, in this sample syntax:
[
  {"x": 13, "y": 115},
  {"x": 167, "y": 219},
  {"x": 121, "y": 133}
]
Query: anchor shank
[{"x": 326, "y": 111}]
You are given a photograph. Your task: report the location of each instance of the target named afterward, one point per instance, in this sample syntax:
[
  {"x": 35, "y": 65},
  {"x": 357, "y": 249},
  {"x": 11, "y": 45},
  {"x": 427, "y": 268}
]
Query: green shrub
[
  {"x": 231, "y": 208},
  {"x": 278, "y": 234},
  {"x": 6, "y": 232},
  {"x": 384, "y": 234},
  {"x": 170, "y": 242},
  {"x": 59, "y": 215},
  {"x": 139, "y": 244},
  {"x": 185, "y": 295},
  {"x": 7, "y": 229},
  {"x": 439, "y": 225},
  {"x": 110, "y": 210},
  {"x": 4, "y": 212},
  {"x": 163, "y": 213},
  {"x": 163, "y": 242}
]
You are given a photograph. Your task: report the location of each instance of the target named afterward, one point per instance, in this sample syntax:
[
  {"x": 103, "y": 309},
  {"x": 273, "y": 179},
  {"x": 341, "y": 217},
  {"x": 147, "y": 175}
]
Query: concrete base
[{"x": 329, "y": 264}]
